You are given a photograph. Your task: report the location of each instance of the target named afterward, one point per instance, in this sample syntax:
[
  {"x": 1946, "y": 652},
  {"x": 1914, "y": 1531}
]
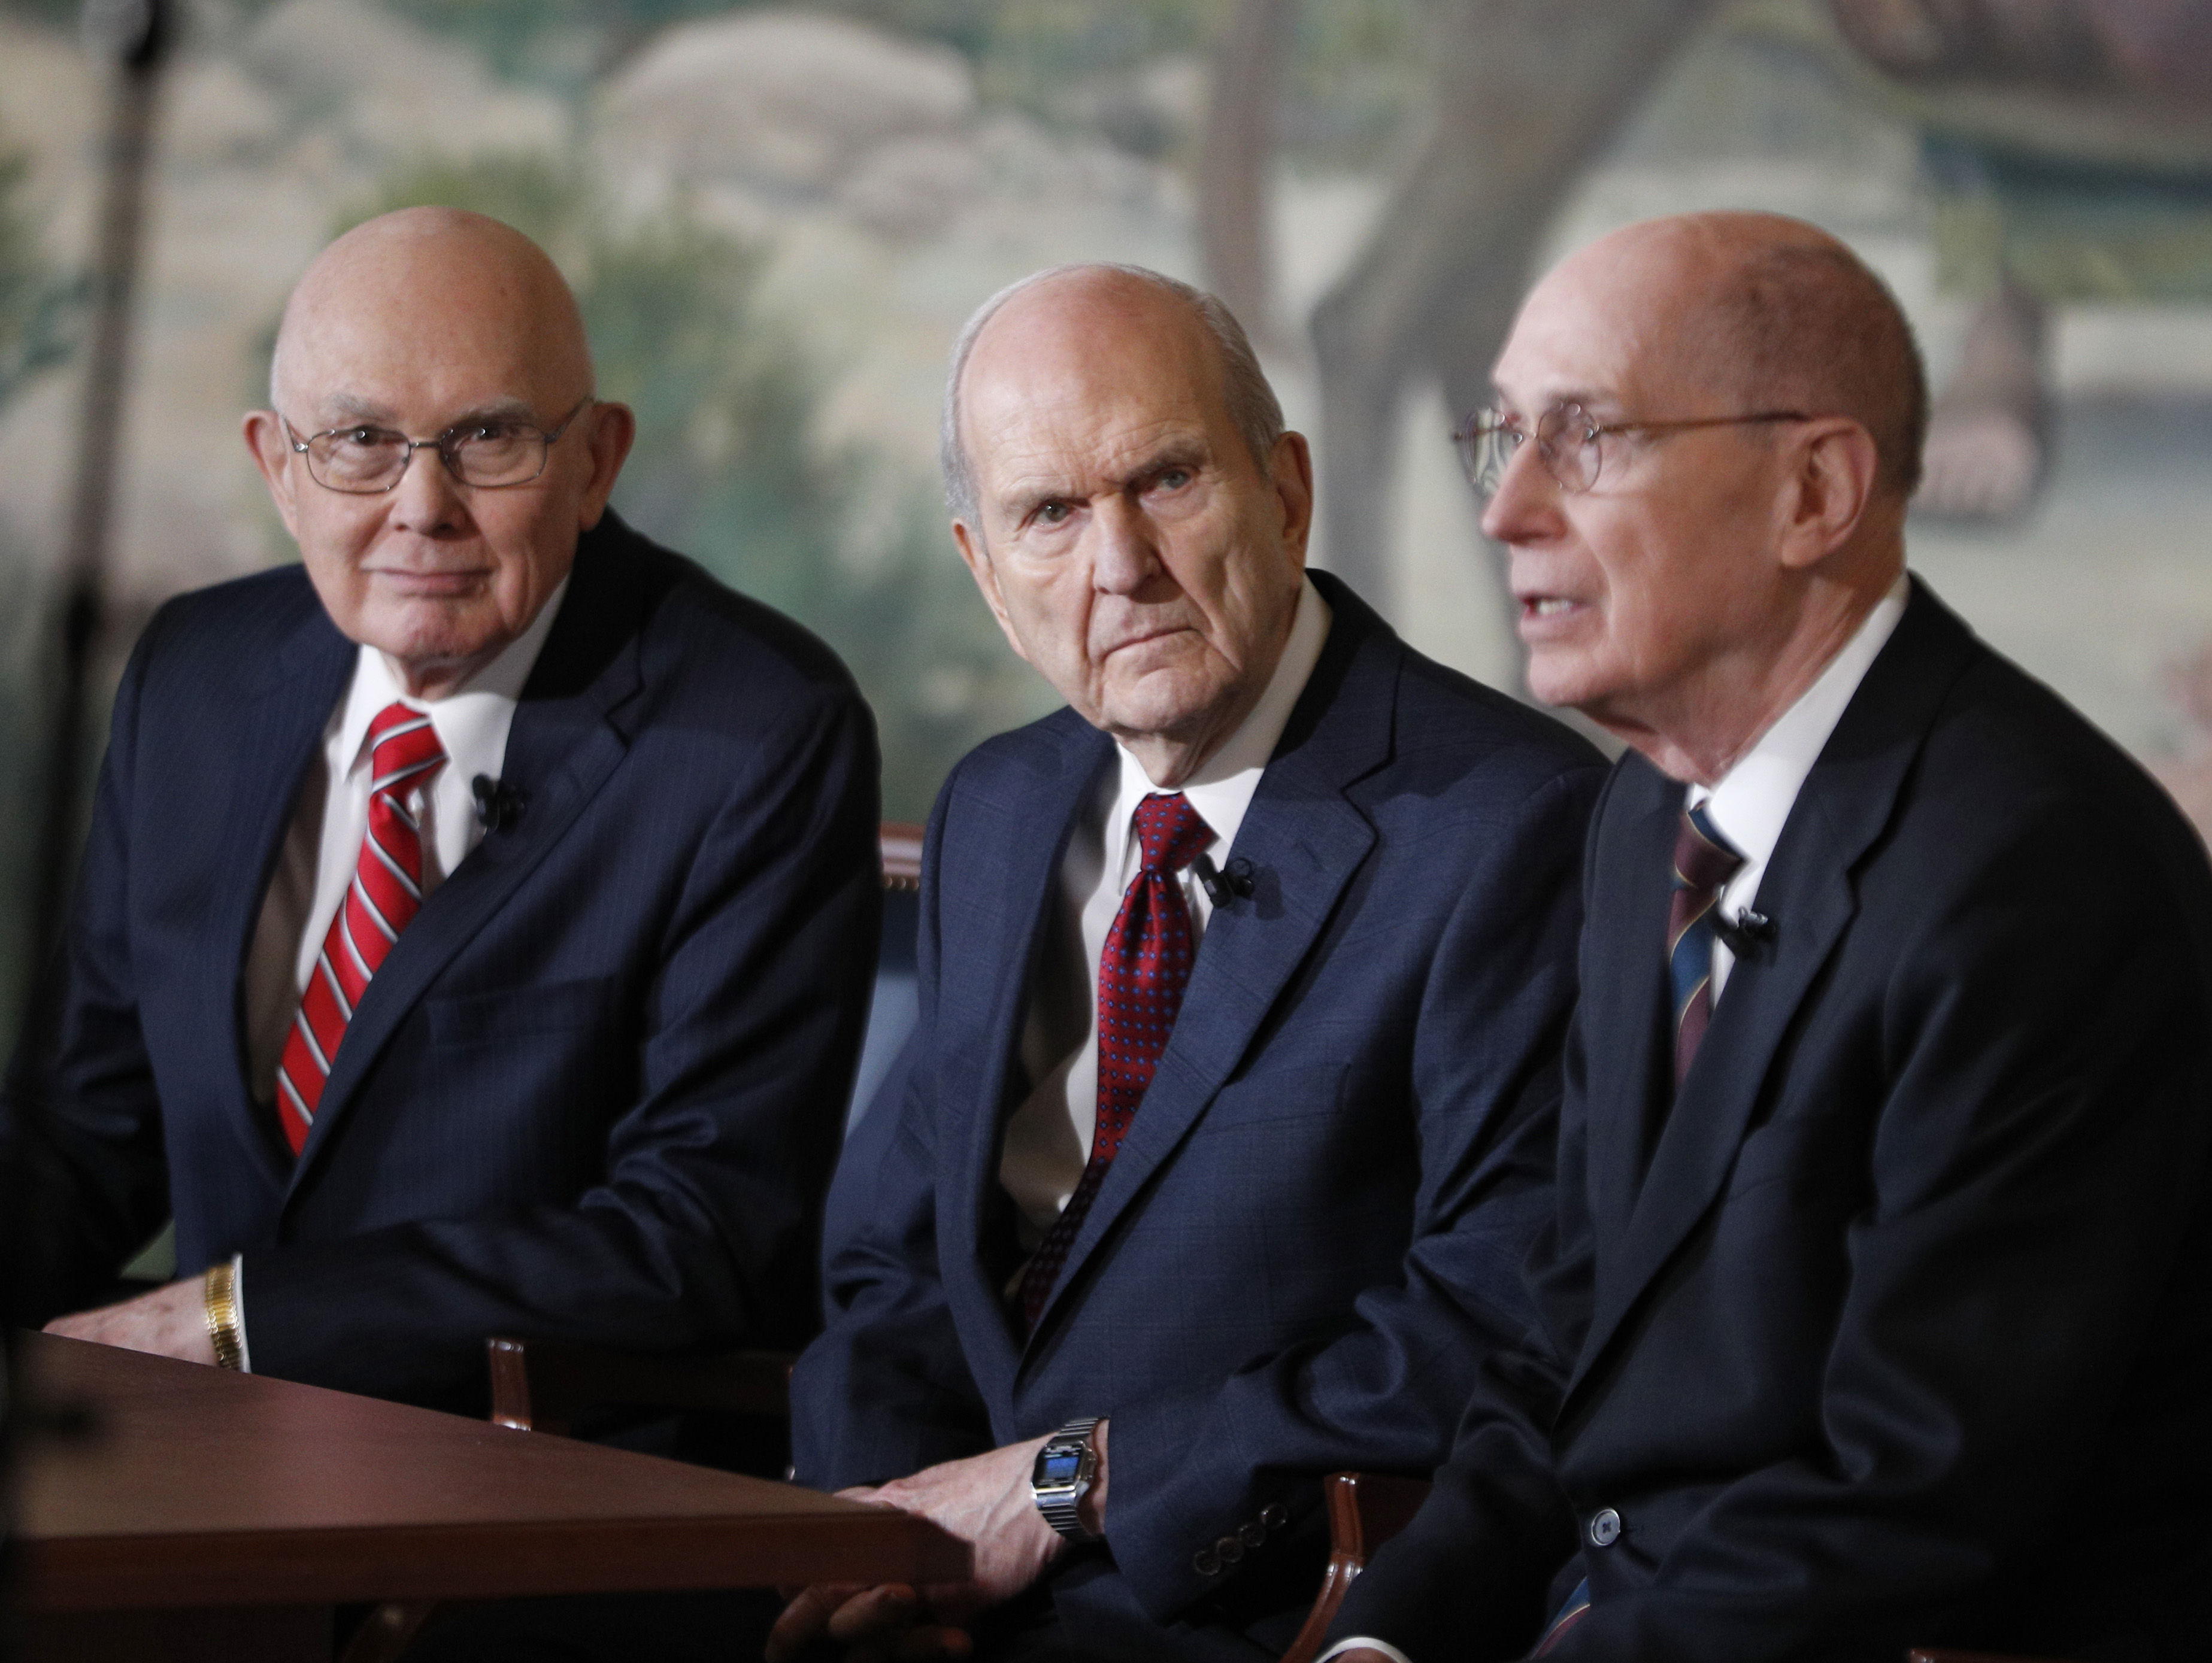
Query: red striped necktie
[
  {"x": 1142, "y": 972},
  {"x": 386, "y": 894}
]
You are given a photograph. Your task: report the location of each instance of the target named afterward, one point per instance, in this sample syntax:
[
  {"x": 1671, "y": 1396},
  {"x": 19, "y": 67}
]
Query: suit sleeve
[
  {"x": 1385, "y": 1391},
  {"x": 1468, "y": 1578},
  {"x": 83, "y": 1176},
  {"x": 702, "y": 1230},
  {"x": 885, "y": 1390}
]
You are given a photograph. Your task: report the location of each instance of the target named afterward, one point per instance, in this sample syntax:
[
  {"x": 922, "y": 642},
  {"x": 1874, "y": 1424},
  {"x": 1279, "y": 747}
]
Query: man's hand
[
  {"x": 170, "y": 1322},
  {"x": 985, "y": 1501}
]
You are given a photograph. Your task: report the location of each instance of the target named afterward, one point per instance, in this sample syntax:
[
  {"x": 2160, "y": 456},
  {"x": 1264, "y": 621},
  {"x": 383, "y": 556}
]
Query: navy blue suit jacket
[
  {"x": 1896, "y": 1327},
  {"x": 1312, "y": 1233},
  {"x": 596, "y": 1090}
]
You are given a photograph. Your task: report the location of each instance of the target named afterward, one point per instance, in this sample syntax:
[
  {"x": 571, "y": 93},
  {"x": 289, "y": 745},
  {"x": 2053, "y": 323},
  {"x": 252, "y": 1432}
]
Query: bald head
[
  {"x": 434, "y": 324},
  {"x": 483, "y": 288},
  {"x": 1779, "y": 315}
]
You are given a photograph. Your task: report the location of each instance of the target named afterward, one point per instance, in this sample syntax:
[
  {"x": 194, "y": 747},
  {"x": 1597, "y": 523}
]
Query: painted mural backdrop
[{"x": 776, "y": 217}]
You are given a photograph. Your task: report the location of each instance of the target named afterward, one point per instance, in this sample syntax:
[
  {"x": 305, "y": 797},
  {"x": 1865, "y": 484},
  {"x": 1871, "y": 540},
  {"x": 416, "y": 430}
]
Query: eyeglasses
[
  {"x": 364, "y": 460},
  {"x": 1569, "y": 442}
]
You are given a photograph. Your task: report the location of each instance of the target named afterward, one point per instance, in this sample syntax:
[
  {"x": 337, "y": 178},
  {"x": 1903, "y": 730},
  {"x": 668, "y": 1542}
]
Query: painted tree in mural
[{"x": 2060, "y": 109}]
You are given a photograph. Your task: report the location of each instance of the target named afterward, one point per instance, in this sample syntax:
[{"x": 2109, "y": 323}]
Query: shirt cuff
[
  {"x": 1371, "y": 1644},
  {"x": 238, "y": 1311}
]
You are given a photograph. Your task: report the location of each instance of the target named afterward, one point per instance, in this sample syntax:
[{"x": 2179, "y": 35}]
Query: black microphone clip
[
  {"x": 1748, "y": 931},
  {"x": 1223, "y": 887},
  {"x": 498, "y": 806}
]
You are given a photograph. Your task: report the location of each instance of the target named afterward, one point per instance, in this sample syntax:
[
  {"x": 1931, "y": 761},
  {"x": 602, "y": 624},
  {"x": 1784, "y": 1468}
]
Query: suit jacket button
[
  {"x": 1206, "y": 1563},
  {"x": 1605, "y": 1528},
  {"x": 1231, "y": 1549},
  {"x": 1274, "y": 1515},
  {"x": 1253, "y": 1534}
]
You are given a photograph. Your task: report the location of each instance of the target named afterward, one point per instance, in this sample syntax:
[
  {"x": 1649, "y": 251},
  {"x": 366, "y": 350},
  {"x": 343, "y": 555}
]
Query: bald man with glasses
[
  {"x": 477, "y": 920},
  {"x": 1877, "y": 1297}
]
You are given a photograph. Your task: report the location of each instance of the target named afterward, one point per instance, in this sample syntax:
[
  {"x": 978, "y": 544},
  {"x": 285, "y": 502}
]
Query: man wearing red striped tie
[{"x": 478, "y": 918}]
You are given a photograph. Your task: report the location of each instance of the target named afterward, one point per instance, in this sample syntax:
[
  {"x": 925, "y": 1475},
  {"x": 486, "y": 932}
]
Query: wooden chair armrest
[
  {"x": 544, "y": 1385},
  {"x": 1943, "y": 1654},
  {"x": 1365, "y": 1509},
  {"x": 899, "y": 844}
]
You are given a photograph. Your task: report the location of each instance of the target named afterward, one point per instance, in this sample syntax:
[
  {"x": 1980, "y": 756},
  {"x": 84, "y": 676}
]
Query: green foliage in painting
[{"x": 728, "y": 468}]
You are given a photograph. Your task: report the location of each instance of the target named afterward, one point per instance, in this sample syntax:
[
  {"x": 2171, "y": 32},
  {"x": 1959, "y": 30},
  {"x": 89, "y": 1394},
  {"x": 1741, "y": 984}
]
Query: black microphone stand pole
[{"x": 132, "y": 37}]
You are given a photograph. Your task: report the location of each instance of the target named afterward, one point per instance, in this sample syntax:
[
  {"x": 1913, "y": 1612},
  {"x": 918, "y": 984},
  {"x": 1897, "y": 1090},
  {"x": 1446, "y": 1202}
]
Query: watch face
[{"x": 1058, "y": 1468}]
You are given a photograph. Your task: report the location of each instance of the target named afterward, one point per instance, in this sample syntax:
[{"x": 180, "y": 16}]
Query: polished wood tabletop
[{"x": 194, "y": 1487}]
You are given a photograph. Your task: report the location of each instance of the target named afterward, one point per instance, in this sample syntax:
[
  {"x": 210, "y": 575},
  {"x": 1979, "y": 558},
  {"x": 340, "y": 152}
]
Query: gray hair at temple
[{"x": 1254, "y": 409}]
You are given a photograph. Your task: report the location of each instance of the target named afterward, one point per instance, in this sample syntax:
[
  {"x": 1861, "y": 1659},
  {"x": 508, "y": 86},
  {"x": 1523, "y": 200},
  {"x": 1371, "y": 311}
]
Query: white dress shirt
[
  {"x": 317, "y": 861},
  {"x": 1750, "y": 806},
  {"x": 1751, "y": 803},
  {"x": 1048, "y": 1137}
]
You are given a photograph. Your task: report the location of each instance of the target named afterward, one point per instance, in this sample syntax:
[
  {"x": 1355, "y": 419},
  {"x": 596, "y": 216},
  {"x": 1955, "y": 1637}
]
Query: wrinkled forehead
[{"x": 1088, "y": 388}]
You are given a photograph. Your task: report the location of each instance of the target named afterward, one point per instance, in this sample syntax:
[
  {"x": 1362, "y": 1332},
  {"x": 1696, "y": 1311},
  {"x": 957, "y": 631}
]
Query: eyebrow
[
  {"x": 1023, "y": 497},
  {"x": 1591, "y": 398}
]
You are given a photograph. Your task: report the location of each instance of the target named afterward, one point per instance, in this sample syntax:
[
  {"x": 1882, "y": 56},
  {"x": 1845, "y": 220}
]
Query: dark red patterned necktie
[
  {"x": 1142, "y": 973},
  {"x": 1704, "y": 863},
  {"x": 386, "y": 894}
]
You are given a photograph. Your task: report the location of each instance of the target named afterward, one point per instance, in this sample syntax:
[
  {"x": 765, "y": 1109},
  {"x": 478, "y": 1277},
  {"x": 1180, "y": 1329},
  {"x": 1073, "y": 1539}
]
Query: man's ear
[
  {"x": 613, "y": 431},
  {"x": 272, "y": 453},
  {"x": 1833, "y": 467},
  {"x": 1290, "y": 471},
  {"x": 978, "y": 559}
]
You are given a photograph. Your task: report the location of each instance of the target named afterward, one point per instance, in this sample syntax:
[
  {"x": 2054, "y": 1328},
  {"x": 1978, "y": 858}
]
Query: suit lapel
[
  {"x": 993, "y": 944},
  {"x": 1808, "y": 891},
  {"x": 1625, "y": 996},
  {"x": 1304, "y": 839},
  {"x": 564, "y": 744},
  {"x": 268, "y": 753}
]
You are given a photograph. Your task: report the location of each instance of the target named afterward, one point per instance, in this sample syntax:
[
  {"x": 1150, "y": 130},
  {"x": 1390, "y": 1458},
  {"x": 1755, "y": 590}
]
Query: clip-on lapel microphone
[
  {"x": 498, "y": 806},
  {"x": 1221, "y": 888}
]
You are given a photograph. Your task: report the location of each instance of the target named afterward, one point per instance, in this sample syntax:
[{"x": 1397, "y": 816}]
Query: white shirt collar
[
  {"x": 472, "y": 720},
  {"x": 1752, "y": 802},
  {"x": 1222, "y": 788}
]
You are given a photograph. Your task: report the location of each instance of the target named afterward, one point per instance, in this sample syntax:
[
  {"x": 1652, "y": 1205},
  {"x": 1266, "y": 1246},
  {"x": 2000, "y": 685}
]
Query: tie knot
[
  {"x": 403, "y": 747},
  {"x": 1704, "y": 859},
  {"x": 1171, "y": 833}
]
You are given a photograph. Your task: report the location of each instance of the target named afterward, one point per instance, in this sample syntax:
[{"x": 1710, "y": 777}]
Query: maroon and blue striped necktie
[
  {"x": 1704, "y": 863},
  {"x": 1142, "y": 972},
  {"x": 386, "y": 894}
]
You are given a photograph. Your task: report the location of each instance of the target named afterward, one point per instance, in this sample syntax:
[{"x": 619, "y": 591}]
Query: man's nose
[
  {"x": 1124, "y": 555},
  {"x": 427, "y": 499},
  {"x": 1525, "y": 507}
]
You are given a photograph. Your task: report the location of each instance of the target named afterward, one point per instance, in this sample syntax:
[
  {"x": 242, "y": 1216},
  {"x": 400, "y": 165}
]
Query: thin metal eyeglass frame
[
  {"x": 444, "y": 444},
  {"x": 1467, "y": 439}
]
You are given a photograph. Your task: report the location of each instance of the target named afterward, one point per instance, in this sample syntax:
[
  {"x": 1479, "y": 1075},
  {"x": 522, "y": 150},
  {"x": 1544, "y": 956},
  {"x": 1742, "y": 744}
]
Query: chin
[{"x": 433, "y": 640}]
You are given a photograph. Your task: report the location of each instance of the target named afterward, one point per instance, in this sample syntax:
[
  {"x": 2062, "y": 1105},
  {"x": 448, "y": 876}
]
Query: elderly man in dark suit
[
  {"x": 475, "y": 926},
  {"x": 1243, "y": 979},
  {"x": 1880, "y": 1286}
]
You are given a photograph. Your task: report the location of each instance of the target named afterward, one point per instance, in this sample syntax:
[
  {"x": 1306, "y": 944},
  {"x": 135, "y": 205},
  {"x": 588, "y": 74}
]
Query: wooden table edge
[{"x": 480, "y": 1560}]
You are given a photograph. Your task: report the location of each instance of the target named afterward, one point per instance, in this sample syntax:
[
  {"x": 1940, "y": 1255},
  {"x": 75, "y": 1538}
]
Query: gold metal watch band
[{"x": 221, "y": 1303}]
